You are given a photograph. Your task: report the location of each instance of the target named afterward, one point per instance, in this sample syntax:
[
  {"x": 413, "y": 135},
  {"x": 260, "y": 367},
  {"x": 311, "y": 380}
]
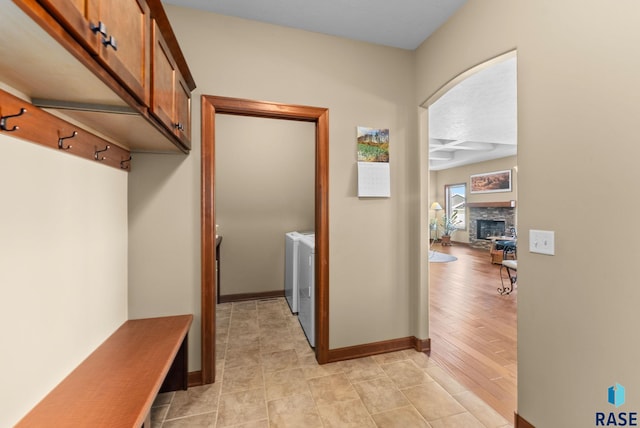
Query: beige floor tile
[
  {"x": 275, "y": 322},
  {"x": 301, "y": 344},
  {"x": 163, "y": 399},
  {"x": 380, "y": 394},
  {"x": 222, "y": 323},
  {"x": 242, "y": 378},
  {"x": 362, "y": 369},
  {"x": 245, "y": 339},
  {"x": 312, "y": 369},
  {"x": 239, "y": 316},
  {"x": 158, "y": 415},
  {"x": 222, "y": 337},
  {"x": 346, "y": 414},
  {"x": 285, "y": 383},
  {"x": 295, "y": 411},
  {"x": 242, "y": 407},
  {"x": 242, "y": 357},
  {"x": 206, "y": 420},
  {"x": 481, "y": 410},
  {"x": 421, "y": 359},
  {"x": 461, "y": 420},
  {"x": 267, "y": 376},
  {"x": 271, "y": 304},
  {"x": 328, "y": 390},
  {"x": 281, "y": 342},
  {"x": 221, "y": 353},
  {"x": 223, "y": 309},
  {"x": 406, "y": 373},
  {"x": 389, "y": 357},
  {"x": 280, "y": 360},
  {"x": 445, "y": 379},
  {"x": 432, "y": 401},
  {"x": 405, "y": 417},
  {"x": 194, "y": 401},
  {"x": 237, "y": 328},
  {"x": 264, "y": 423},
  {"x": 250, "y": 305}
]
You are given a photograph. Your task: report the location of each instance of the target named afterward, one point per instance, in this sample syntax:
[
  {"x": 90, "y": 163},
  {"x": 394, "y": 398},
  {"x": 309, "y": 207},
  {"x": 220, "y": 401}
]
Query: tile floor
[{"x": 267, "y": 376}]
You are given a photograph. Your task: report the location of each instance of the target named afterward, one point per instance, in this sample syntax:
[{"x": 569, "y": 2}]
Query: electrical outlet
[{"x": 542, "y": 242}]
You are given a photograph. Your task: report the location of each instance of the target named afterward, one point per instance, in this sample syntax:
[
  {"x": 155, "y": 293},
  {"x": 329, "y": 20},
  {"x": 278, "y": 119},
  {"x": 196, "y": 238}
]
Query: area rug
[{"x": 437, "y": 257}]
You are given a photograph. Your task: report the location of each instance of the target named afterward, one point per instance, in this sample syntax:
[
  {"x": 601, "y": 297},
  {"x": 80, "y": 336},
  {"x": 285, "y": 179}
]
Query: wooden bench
[{"x": 117, "y": 384}]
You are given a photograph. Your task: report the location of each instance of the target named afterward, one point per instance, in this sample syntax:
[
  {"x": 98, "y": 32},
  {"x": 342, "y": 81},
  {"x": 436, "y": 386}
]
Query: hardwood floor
[{"x": 473, "y": 329}]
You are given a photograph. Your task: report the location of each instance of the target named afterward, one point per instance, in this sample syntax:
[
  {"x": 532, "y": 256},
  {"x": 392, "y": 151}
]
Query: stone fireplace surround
[{"x": 506, "y": 214}]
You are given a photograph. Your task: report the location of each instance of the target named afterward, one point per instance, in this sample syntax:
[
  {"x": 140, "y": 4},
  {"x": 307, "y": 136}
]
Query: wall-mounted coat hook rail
[
  {"x": 125, "y": 163},
  {"x": 46, "y": 129},
  {"x": 97, "y": 156},
  {"x": 3, "y": 120},
  {"x": 61, "y": 141}
]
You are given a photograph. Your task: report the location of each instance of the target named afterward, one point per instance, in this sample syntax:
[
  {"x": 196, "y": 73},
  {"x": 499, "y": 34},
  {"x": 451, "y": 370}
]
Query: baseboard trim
[
  {"x": 250, "y": 296},
  {"x": 375, "y": 348},
  {"x": 194, "y": 378},
  {"x": 520, "y": 422},
  {"x": 422, "y": 345}
]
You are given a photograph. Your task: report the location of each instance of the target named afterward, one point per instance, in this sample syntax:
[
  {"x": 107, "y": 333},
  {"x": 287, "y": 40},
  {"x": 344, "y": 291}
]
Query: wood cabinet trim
[
  {"x": 158, "y": 13},
  {"x": 504, "y": 204},
  {"x": 43, "y": 128}
]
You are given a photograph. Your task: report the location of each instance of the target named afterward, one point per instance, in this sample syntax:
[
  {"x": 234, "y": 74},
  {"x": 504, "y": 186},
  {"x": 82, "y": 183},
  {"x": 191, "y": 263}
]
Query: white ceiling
[
  {"x": 476, "y": 120},
  {"x": 473, "y": 122},
  {"x": 398, "y": 23}
]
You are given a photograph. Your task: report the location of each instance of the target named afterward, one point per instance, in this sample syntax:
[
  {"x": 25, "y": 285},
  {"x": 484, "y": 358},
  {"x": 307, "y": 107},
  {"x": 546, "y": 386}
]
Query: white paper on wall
[{"x": 374, "y": 179}]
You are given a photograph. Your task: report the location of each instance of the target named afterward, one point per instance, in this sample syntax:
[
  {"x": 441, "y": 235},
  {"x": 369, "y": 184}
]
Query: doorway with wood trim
[{"x": 212, "y": 105}]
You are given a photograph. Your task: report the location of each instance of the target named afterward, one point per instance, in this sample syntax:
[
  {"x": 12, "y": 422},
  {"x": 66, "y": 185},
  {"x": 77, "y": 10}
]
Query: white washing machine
[
  {"x": 306, "y": 286},
  {"x": 291, "y": 240}
]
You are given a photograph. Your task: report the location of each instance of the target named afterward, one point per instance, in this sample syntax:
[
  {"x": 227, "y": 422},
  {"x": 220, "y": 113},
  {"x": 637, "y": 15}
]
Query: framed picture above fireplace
[{"x": 490, "y": 182}]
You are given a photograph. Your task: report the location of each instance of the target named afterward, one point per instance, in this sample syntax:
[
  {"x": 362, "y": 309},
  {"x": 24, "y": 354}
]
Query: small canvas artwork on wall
[{"x": 373, "y": 144}]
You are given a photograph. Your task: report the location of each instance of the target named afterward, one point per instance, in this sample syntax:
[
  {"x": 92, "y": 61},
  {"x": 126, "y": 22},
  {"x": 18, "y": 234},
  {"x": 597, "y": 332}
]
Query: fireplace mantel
[{"x": 504, "y": 204}]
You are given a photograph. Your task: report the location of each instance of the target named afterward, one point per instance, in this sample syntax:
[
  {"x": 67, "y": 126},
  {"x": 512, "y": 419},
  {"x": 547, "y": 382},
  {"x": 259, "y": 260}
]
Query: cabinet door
[
  {"x": 116, "y": 32},
  {"x": 125, "y": 48},
  {"x": 163, "y": 81},
  {"x": 74, "y": 16},
  {"x": 183, "y": 112}
]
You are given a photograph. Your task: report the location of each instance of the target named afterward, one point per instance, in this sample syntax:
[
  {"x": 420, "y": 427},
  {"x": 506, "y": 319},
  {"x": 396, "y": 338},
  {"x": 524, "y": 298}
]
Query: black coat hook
[
  {"x": 125, "y": 163},
  {"x": 3, "y": 120},
  {"x": 97, "y": 156},
  {"x": 61, "y": 141}
]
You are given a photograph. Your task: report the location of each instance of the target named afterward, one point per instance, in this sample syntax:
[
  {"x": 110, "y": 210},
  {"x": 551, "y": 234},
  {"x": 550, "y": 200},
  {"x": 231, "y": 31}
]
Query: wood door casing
[{"x": 212, "y": 105}]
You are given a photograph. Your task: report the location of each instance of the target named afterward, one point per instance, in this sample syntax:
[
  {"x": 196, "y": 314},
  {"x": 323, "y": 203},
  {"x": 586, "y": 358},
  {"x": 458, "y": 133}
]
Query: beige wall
[
  {"x": 362, "y": 85},
  {"x": 461, "y": 175},
  {"x": 577, "y": 92},
  {"x": 63, "y": 267},
  {"x": 264, "y": 188}
]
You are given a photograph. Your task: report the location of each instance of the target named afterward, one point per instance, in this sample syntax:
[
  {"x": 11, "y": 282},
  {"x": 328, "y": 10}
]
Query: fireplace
[{"x": 486, "y": 228}]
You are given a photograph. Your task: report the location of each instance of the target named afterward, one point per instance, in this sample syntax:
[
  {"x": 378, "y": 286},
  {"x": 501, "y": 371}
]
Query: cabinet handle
[
  {"x": 100, "y": 28},
  {"x": 179, "y": 126},
  {"x": 111, "y": 41}
]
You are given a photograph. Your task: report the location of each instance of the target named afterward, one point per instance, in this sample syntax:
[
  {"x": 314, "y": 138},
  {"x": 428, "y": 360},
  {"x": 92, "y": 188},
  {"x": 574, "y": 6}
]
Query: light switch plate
[{"x": 542, "y": 242}]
